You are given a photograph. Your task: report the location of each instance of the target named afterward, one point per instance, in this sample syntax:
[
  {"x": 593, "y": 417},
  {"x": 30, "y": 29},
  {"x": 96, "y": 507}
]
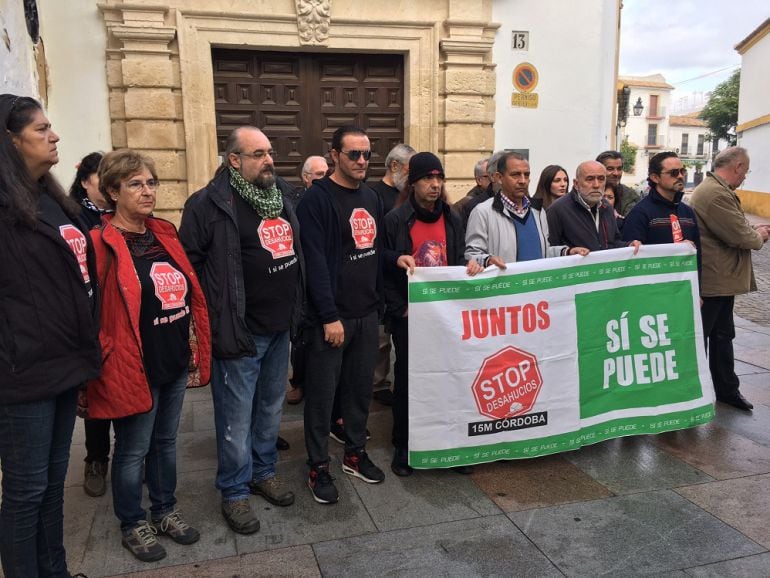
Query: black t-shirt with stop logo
[
  {"x": 357, "y": 209},
  {"x": 270, "y": 268},
  {"x": 164, "y": 317}
]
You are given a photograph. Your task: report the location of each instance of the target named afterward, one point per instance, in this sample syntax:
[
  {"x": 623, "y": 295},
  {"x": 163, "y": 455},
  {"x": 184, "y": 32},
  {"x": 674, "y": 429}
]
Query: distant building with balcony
[{"x": 647, "y": 124}]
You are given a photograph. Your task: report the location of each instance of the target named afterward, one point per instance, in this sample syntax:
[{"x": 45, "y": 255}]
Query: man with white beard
[
  {"x": 388, "y": 189},
  {"x": 396, "y": 174}
]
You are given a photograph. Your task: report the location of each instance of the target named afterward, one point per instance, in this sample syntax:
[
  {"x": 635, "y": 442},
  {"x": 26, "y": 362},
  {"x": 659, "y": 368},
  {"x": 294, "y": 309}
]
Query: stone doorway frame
[
  {"x": 160, "y": 78},
  {"x": 199, "y": 31}
]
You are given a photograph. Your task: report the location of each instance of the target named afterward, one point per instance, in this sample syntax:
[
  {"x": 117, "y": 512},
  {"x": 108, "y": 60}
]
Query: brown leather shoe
[{"x": 295, "y": 395}]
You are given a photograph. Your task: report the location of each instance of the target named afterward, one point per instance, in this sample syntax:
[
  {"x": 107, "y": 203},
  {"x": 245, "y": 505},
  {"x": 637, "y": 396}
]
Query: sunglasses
[
  {"x": 355, "y": 155},
  {"x": 676, "y": 172}
]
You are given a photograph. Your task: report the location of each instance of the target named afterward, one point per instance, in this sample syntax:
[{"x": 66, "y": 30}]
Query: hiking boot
[
  {"x": 400, "y": 464},
  {"x": 177, "y": 529},
  {"x": 273, "y": 491},
  {"x": 239, "y": 516},
  {"x": 95, "y": 482},
  {"x": 359, "y": 465},
  {"x": 321, "y": 484},
  {"x": 141, "y": 542}
]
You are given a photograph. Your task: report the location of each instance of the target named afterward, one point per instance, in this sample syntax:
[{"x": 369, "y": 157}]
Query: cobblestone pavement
[{"x": 754, "y": 306}]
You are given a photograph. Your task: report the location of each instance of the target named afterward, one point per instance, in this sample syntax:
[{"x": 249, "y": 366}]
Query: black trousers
[
  {"x": 400, "y": 334},
  {"x": 351, "y": 367},
  {"x": 97, "y": 440},
  {"x": 719, "y": 332}
]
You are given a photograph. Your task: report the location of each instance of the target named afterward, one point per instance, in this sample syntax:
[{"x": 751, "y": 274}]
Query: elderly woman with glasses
[{"x": 151, "y": 299}]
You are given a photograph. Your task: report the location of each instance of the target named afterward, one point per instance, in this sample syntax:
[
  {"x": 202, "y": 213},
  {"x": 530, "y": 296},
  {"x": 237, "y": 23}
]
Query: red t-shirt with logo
[{"x": 429, "y": 243}]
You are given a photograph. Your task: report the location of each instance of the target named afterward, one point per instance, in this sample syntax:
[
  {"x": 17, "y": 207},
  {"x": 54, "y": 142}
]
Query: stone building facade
[{"x": 159, "y": 73}]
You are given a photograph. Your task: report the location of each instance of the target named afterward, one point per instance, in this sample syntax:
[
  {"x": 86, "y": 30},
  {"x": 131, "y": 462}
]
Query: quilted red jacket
[{"x": 123, "y": 389}]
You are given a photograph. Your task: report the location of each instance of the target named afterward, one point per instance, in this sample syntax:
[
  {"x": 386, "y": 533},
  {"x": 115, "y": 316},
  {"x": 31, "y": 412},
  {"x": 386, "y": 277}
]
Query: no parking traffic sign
[{"x": 525, "y": 79}]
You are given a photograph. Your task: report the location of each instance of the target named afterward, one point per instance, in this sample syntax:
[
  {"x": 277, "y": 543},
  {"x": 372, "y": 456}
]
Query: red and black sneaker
[
  {"x": 321, "y": 484},
  {"x": 359, "y": 465}
]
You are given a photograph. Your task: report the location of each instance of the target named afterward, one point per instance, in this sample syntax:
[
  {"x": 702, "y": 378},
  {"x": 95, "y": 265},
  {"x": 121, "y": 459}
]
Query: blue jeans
[
  {"x": 150, "y": 439},
  {"x": 248, "y": 399},
  {"x": 34, "y": 451}
]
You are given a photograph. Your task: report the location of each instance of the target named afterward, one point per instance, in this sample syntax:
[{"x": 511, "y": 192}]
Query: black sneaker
[
  {"x": 281, "y": 444},
  {"x": 359, "y": 465},
  {"x": 384, "y": 396},
  {"x": 337, "y": 433},
  {"x": 177, "y": 529},
  {"x": 321, "y": 484},
  {"x": 400, "y": 464},
  {"x": 143, "y": 544}
]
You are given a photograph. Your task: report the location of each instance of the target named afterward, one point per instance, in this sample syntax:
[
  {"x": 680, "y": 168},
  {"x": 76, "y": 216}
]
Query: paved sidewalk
[
  {"x": 687, "y": 503},
  {"x": 692, "y": 502}
]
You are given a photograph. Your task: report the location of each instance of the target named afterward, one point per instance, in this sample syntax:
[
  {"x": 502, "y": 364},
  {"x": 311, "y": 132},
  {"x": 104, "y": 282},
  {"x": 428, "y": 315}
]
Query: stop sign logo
[
  {"x": 507, "y": 383},
  {"x": 170, "y": 285},
  {"x": 364, "y": 228},
  {"x": 276, "y": 237},
  {"x": 77, "y": 243}
]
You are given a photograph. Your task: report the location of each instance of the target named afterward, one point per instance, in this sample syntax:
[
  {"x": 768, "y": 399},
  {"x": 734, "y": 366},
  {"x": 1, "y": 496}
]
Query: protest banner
[{"x": 553, "y": 354}]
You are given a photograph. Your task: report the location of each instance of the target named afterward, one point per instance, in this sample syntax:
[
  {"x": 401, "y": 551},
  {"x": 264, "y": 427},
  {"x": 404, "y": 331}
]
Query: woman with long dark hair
[
  {"x": 553, "y": 184},
  {"x": 48, "y": 339}
]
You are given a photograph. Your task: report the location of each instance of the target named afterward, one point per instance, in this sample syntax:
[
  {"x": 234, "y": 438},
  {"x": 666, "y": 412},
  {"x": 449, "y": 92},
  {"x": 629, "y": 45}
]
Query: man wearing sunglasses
[
  {"x": 340, "y": 232},
  {"x": 727, "y": 240},
  {"x": 661, "y": 216}
]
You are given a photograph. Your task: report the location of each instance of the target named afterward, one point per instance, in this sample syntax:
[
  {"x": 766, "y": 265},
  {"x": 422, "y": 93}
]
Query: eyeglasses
[
  {"x": 355, "y": 155},
  {"x": 257, "y": 155},
  {"x": 676, "y": 172},
  {"x": 137, "y": 186}
]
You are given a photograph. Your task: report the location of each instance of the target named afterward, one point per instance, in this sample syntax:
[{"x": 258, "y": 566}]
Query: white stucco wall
[
  {"x": 757, "y": 142},
  {"x": 75, "y": 41},
  {"x": 754, "y": 99},
  {"x": 573, "y": 46},
  {"x": 753, "y": 104},
  {"x": 17, "y": 60}
]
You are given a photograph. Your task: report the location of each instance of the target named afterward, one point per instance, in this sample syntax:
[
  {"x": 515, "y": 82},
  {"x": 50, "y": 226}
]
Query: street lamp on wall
[{"x": 638, "y": 107}]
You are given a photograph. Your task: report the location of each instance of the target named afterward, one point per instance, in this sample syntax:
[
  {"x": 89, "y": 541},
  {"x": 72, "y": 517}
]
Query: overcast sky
[{"x": 685, "y": 39}]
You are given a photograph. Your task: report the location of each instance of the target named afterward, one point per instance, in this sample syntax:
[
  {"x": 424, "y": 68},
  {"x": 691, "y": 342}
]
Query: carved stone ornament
[{"x": 313, "y": 18}]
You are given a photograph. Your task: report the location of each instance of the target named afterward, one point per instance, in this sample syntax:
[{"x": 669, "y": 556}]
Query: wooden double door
[{"x": 300, "y": 99}]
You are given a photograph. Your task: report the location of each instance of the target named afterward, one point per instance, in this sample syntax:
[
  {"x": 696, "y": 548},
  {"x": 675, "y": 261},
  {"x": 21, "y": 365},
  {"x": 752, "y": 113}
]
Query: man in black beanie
[{"x": 425, "y": 232}]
